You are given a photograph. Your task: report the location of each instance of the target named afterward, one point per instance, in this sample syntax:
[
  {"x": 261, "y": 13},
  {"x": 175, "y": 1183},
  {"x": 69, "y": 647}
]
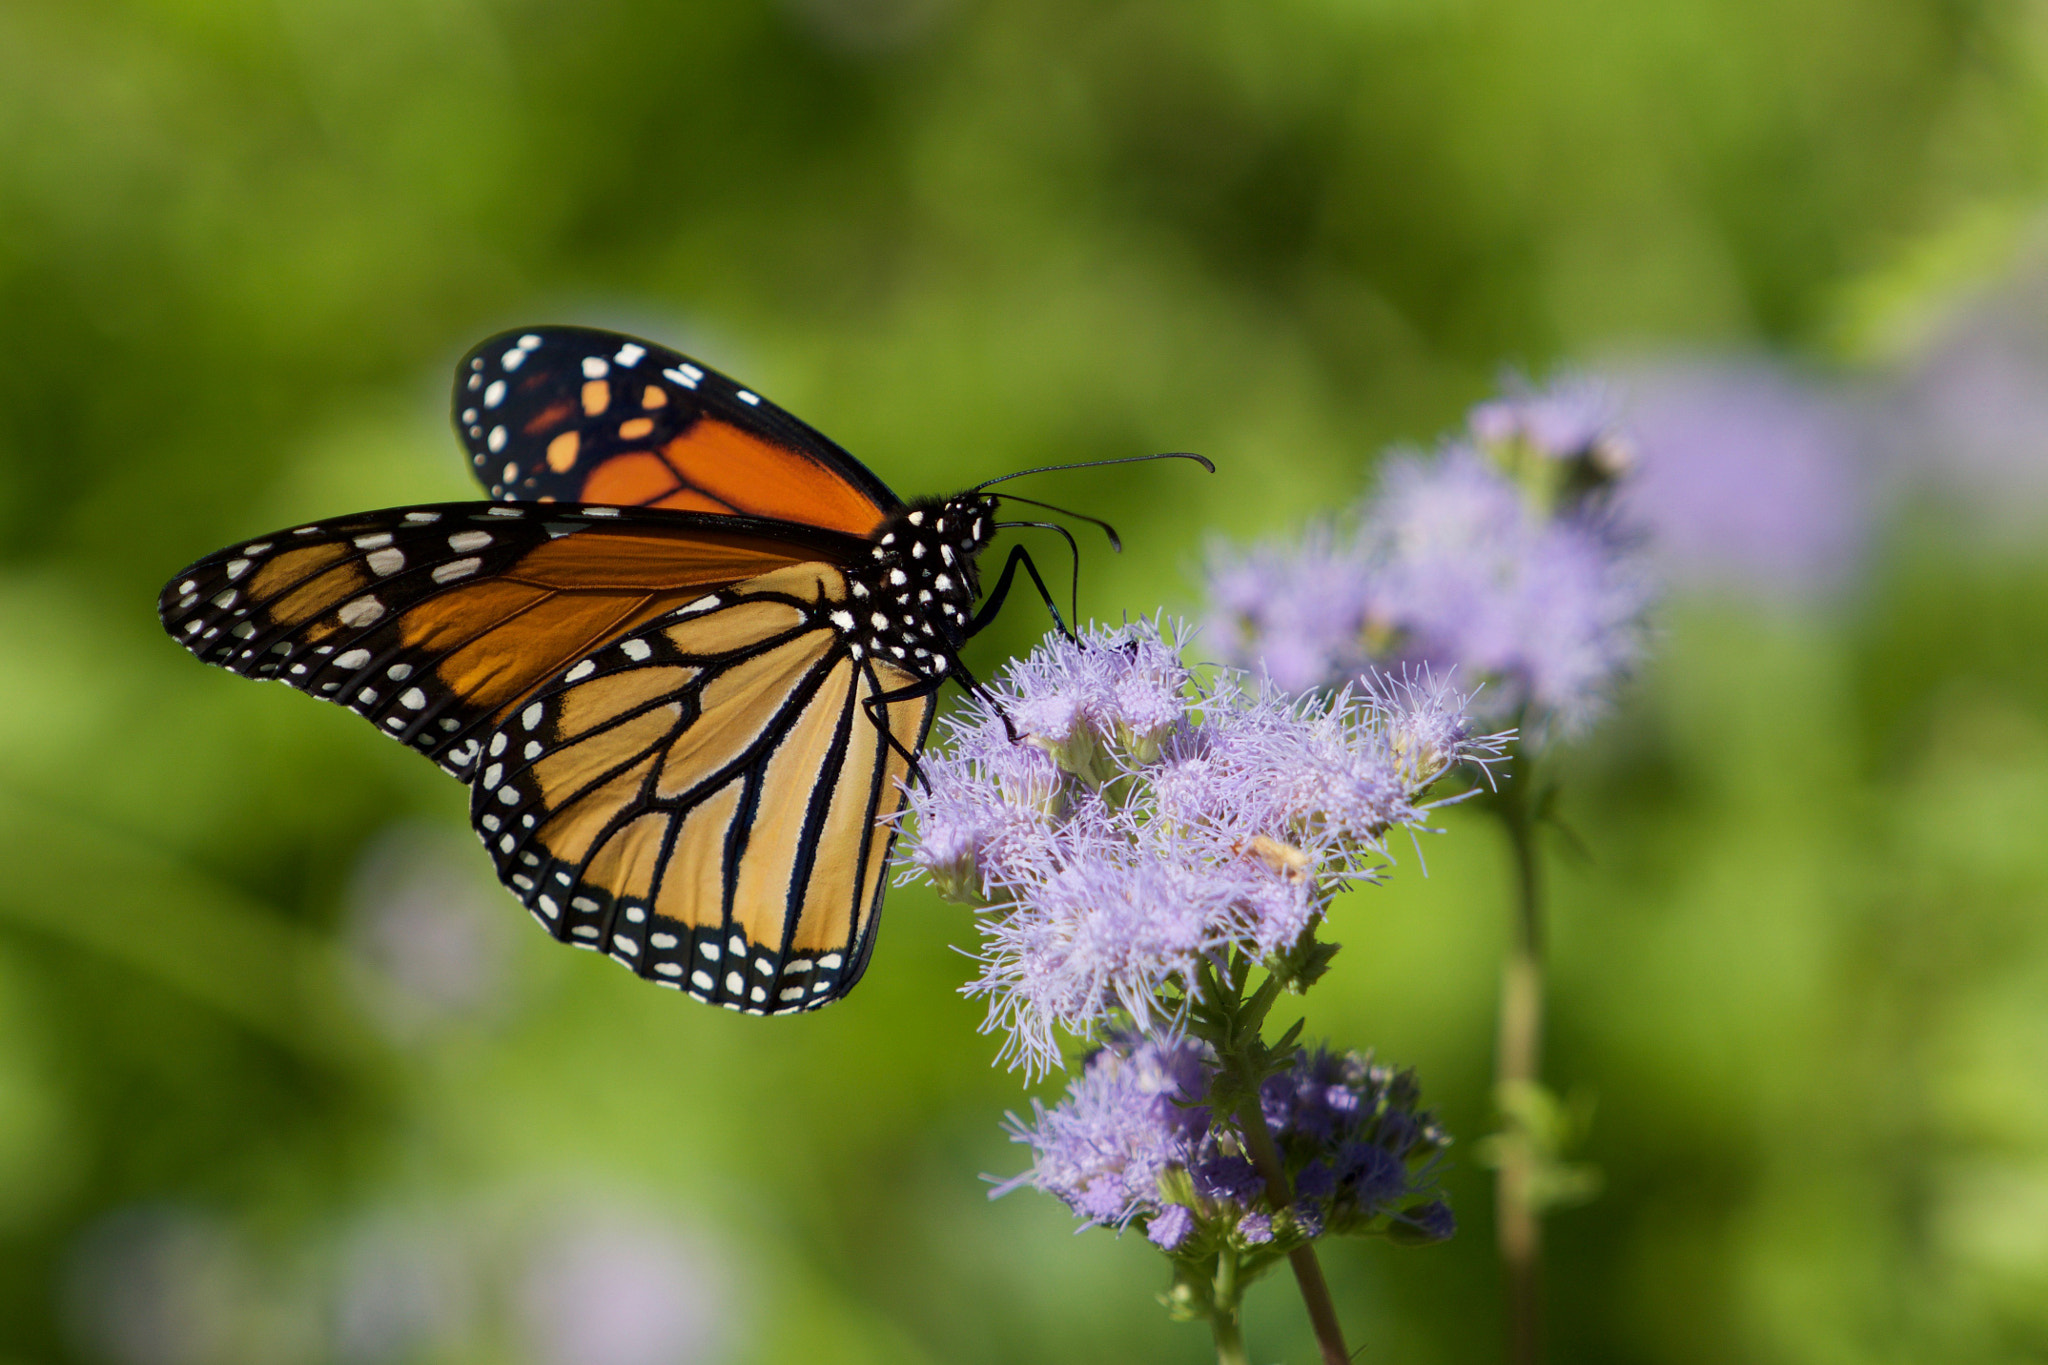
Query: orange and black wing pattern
[
  {"x": 710, "y": 797},
  {"x": 574, "y": 414},
  {"x": 434, "y": 622}
]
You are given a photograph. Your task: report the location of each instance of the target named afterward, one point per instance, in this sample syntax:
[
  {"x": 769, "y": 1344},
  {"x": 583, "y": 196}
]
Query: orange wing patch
[{"x": 716, "y": 467}]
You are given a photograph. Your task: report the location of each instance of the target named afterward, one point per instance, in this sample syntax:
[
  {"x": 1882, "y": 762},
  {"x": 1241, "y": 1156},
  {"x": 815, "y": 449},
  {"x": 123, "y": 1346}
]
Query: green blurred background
[{"x": 284, "y": 1078}]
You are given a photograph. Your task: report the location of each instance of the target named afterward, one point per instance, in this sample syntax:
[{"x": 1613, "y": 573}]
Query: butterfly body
[{"x": 684, "y": 660}]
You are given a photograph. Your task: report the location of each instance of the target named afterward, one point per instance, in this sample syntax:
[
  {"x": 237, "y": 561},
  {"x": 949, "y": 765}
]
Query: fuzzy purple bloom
[
  {"x": 1139, "y": 826},
  {"x": 1350, "y": 1131},
  {"x": 1475, "y": 579},
  {"x": 1497, "y": 560},
  {"x": 1132, "y": 1143},
  {"x": 1130, "y": 1117}
]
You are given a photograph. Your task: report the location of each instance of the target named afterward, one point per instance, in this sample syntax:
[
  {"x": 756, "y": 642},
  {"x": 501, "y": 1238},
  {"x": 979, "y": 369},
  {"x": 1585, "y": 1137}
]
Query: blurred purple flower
[
  {"x": 1571, "y": 418},
  {"x": 1139, "y": 826},
  {"x": 429, "y": 940},
  {"x": 1499, "y": 561},
  {"x": 1298, "y": 610},
  {"x": 1974, "y": 404},
  {"x": 605, "y": 1287},
  {"x": 1472, "y": 578},
  {"x": 1752, "y": 477}
]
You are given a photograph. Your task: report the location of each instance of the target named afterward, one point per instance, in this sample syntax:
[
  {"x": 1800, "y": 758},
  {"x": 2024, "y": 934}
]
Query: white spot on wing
[
  {"x": 384, "y": 563},
  {"x": 361, "y": 612},
  {"x": 594, "y": 367},
  {"x": 629, "y": 355},
  {"x": 462, "y": 542},
  {"x": 355, "y": 658},
  {"x": 580, "y": 671},
  {"x": 636, "y": 650},
  {"x": 455, "y": 568}
]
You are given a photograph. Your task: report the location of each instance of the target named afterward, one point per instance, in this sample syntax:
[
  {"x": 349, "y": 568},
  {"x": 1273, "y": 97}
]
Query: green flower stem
[
  {"x": 1308, "y": 1271},
  {"x": 1223, "y": 1319},
  {"x": 1233, "y": 1025},
  {"x": 1518, "y": 1064}
]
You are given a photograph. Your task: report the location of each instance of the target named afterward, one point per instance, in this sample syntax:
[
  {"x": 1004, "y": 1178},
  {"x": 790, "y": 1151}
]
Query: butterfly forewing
[
  {"x": 431, "y": 621},
  {"x": 708, "y": 799},
  {"x": 573, "y": 414}
]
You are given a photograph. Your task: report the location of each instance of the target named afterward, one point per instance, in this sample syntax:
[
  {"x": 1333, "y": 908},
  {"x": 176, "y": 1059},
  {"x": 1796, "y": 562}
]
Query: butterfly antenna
[
  {"x": 1115, "y": 542},
  {"x": 1097, "y": 464},
  {"x": 1074, "y": 554}
]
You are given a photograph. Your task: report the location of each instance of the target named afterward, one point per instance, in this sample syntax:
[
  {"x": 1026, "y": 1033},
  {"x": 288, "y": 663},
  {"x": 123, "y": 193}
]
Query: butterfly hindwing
[
  {"x": 707, "y": 799},
  {"x": 574, "y": 414}
]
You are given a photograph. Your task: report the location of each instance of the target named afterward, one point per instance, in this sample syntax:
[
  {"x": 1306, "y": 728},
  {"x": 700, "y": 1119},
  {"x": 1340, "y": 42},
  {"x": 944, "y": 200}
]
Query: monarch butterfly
[{"x": 684, "y": 660}]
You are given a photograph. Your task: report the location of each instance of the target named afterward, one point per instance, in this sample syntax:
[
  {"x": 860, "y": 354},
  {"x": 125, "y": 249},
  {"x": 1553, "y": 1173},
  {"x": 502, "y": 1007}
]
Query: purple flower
[
  {"x": 1132, "y": 1142},
  {"x": 1475, "y": 579},
  {"x": 1360, "y": 1150},
  {"x": 608, "y": 1287},
  {"x": 1498, "y": 561},
  {"x": 1753, "y": 477},
  {"x": 1132, "y": 1116},
  {"x": 1170, "y": 1226},
  {"x": 1974, "y": 404},
  {"x": 1573, "y": 418},
  {"x": 1299, "y": 612},
  {"x": 1139, "y": 825}
]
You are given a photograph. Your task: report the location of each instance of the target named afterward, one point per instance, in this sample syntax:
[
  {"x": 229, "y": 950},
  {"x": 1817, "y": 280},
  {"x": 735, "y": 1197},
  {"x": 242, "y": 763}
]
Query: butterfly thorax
[{"x": 913, "y": 597}]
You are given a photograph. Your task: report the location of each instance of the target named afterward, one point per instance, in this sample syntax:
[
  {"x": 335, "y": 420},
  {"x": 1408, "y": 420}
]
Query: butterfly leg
[
  {"x": 877, "y": 708},
  {"x": 994, "y": 603}
]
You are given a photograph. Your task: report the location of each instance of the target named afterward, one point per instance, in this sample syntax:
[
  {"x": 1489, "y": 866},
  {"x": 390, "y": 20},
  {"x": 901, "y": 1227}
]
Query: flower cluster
[
  {"x": 1497, "y": 556},
  {"x": 1133, "y": 1143},
  {"x": 1120, "y": 825}
]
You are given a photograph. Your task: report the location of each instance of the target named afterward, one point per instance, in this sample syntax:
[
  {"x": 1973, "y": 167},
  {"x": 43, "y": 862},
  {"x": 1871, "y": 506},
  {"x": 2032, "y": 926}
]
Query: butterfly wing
[
  {"x": 708, "y": 798},
  {"x": 433, "y": 622},
  {"x": 573, "y": 414}
]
